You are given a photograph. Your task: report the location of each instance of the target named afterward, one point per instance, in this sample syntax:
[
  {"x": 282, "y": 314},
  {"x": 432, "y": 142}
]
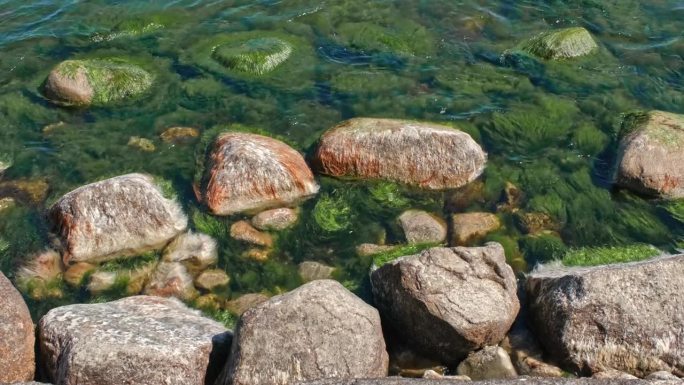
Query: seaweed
[
  {"x": 332, "y": 212},
  {"x": 594, "y": 256},
  {"x": 401, "y": 251}
]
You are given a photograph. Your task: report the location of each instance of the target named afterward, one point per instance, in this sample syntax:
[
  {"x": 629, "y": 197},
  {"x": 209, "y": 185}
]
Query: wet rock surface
[
  {"x": 125, "y": 215},
  {"x": 276, "y": 219},
  {"x": 518, "y": 381},
  {"x": 243, "y": 231},
  {"x": 422, "y": 227},
  {"x": 312, "y": 270},
  {"x": 249, "y": 172},
  {"x": 650, "y": 160},
  {"x": 492, "y": 362},
  {"x": 426, "y": 155},
  {"x": 17, "y": 336},
  {"x": 137, "y": 340},
  {"x": 447, "y": 302},
  {"x": 319, "y": 330},
  {"x": 468, "y": 227},
  {"x": 625, "y": 317}
]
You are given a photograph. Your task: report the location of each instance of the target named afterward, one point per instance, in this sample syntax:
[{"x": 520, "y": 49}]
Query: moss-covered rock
[
  {"x": 96, "y": 81},
  {"x": 255, "y": 56},
  {"x": 408, "y": 38},
  {"x": 561, "y": 44}
]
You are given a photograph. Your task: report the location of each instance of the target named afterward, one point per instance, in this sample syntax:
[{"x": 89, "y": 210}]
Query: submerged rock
[
  {"x": 77, "y": 272},
  {"x": 276, "y": 219},
  {"x": 422, "y": 227},
  {"x": 196, "y": 251},
  {"x": 311, "y": 271},
  {"x": 490, "y": 363},
  {"x": 17, "y": 336},
  {"x": 320, "y": 330},
  {"x": 447, "y": 302},
  {"x": 460, "y": 381},
  {"x": 469, "y": 226},
  {"x": 422, "y": 154},
  {"x": 33, "y": 191},
  {"x": 625, "y": 317},
  {"x": 136, "y": 340},
  {"x": 142, "y": 144},
  {"x": 211, "y": 279},
  {"x": 95, "y": 81},
  {"x": 243, "y": 231},
  {"x": 121, "y": 216},
  {"x": 249, "y": 172},
  {"x": 179, "y": 135},
  {"x": 561, "y": 44},
  {"x": 255, "y": 56},
  {"x": 650, "y": 160},
  {"x": 41, "y": 275},
  {"x": 245, "y": 302},
  {"x": 171, "y": 279}
]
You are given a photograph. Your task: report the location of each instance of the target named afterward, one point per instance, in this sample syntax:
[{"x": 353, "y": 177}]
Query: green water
[{"x": 550, "y": 128}]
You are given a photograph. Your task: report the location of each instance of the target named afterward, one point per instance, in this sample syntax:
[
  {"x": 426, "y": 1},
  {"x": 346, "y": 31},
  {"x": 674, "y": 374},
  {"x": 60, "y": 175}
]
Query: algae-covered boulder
[
  {"x": 447, "y": 302},
  {"x": 136, "y": 340},
  {"x": 255, "y": 56},
  {"x": 561, "y": 44},
  {"x": 490, "y": 363},
  {"x": 320, "y": 330},
  {"x": 650, "y": 158},
  {"x": 426, "y": 155},
  {"x": 626, "y": 317},
  {"x": 17, "y": 336},
  {"x": 407, "y": 38},
  {"x": 121, "y": 216},
  {"x": 249, "y": 172},
  {"x": 96, "y": 81}
]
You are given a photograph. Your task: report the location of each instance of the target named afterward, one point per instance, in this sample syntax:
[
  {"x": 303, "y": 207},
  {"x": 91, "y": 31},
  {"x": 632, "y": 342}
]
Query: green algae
[
  {"x": 542, "y": 248},
  {"x": 401, "y": 251},
  {"x": 407, "y": 38},
  {"x": 594, "y": 256},
  {"x": 256, "y": 56},
  {"x": 561, "y": 44}
]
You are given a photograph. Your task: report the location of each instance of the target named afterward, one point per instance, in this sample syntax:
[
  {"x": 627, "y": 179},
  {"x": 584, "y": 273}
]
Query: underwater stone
[
  {"x": 276, "y": 219},
  {"x": 196, "y": 251},
  {"x": 422, "y": 227},
  {"x": 96, "y": 81},
  {"x": 469, "y": 226},
  {"x": 142, "y": 144},
  {"x": 458, "y": 380},
  {"x": 243, "y": 231},
  {"x": 245, "y": 302},
  {"x": 256, "y": 56},
  {"x": 249, "y": 172},
  {"x": 319, "y": 330},
  {"x": 448, "y": 302},
  {"x": 75, "y": 274},
  {"x": 311, "y": 271},
  {"x": 561, "y": 44},
  {"x": 40, "y": 277},
  {"x": 136, "y": 340},
  {"x": 179, "y": 135},
  {"x": 211, "y": 279},
  {"x": 490, "y": 363},
  {"x": 121, "y": 216},
  {"x": 17, "y": 337},
  {"x": 639, "y": 328},
  {"x": 422, "y": 154},
  {"x": 171, "y": 279},
  {"x": 650, "y": 160}
]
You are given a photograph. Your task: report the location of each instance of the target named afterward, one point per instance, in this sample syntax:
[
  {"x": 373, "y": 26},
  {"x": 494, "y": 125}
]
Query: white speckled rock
[
  {"x": 137, "y": 340},
  {"x": 125, "y": 215},
  {"x": 276, "y": 219},
  {"x": 320, "y": 330},
  {"x": 17, "y": 336},
  {"x": 248, "y": 172},
  {"x": 426, "y": 155},
  {"x": 447, "y": 302},
  {"x": 626, "y": 317}
]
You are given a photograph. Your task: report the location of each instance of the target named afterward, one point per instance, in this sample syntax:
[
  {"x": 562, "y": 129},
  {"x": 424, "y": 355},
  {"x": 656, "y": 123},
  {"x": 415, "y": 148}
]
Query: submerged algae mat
[{"x": 550, "y": 128}]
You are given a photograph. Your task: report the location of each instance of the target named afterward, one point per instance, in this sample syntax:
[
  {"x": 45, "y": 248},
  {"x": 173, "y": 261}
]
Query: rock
[
  {"x": 211, "y": 279},
  {"x": 470, "y": 226},
  {"x": 245, "y": 302},
  {"x": 448, "y": 302},
  {"x": 649, "y": 160},
  {"x": 535, "y": 223},
  {"x": 142, "y": 144},
  {"x": 490, "y": 363},
  {"x": 77, "y": 272},
  {"x": 122, "y": 216},
  {"x": 422, "y": 227},
  {"x": 136, "y": 340},
  {"x": 319, "y": 330},
  {"x": 614, "y": 374},
  {"x": 179, "y": 135},
  {"x": 96, "y": 81},
  {"x": 196, "y": 251},
  {"x": 426, "y": 155},
  {"x": 561, "y": 44},
  {"x": 33, "y": 191},
  {"x": 256, "y": 56},
  {"x": 459, "y": 200},
  {"x": 5, "y": 163},
  {"x": 243, "y": 231},
  {"x": 311, "y": 271},
  {"x": 368, "y": 249},
  {"x": 662, "y": 375},
  {"x": 256, "y": 254},
  {"x": 171, "y": 279},
  {"x": 210, "y": 302},
  {"x": 527, "y": 354},
  {"x": 510, "y": 198},
  {"x": 7, "y": 203},
  {"x": 276, "y": 219},
  {"x": 17, "y": 338},
  {"x": 432, "y": 375},
  {"x": 40, "y": 277},
  {"x": 101, "y": 281},
  {"x": 248, "y": 172},
  {"x": 130, "y": 281},
  {"x": 517, "y": 381},
  {"x": 624, "y": 316}
]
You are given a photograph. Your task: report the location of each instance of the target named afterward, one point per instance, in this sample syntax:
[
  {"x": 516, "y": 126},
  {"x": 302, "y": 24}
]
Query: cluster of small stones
[{"x": 456, "y": 305}]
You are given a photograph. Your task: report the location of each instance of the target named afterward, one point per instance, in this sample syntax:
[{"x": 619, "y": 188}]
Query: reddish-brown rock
[
  {"x": 427, "y": 155},
  {"x": 125, "y": 215},
  {"x": 17, "y": 339},
  {"x": 249, "y": 172}
]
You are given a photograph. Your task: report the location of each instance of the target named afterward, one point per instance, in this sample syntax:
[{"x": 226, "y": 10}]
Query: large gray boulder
[
  {"x": 17, "y": 337},
  {"x": 650, "y": 157},
  {"x": 320, "y": 330},
  {"x": 447, "y": 302},
  {"x": 136, "y": 340},
  {"x": 124, "y": 215},
  {"x": 426, "y": 155},
  {"x": 249, "y": 172},
  {"x": 518, "y": 381},
  {"x": 626, "y": 317}
]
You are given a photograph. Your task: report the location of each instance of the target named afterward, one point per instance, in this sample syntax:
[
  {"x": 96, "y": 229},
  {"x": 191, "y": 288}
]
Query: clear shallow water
[{"x": 549, "y": 128}]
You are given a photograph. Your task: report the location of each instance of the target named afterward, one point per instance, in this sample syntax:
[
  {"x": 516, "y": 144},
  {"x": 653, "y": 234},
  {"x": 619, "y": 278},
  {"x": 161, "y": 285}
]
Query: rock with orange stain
[
  {"x": 122, "y": 216},
  {"x": 426, "y": 155},
  {"x": 16, "y": 336},
  {"x": 249, "y": 172},
  {"x": 650, "y": 159},
  {"x": 243, "y": 231},
  {"x": 171, "y": 279}
]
